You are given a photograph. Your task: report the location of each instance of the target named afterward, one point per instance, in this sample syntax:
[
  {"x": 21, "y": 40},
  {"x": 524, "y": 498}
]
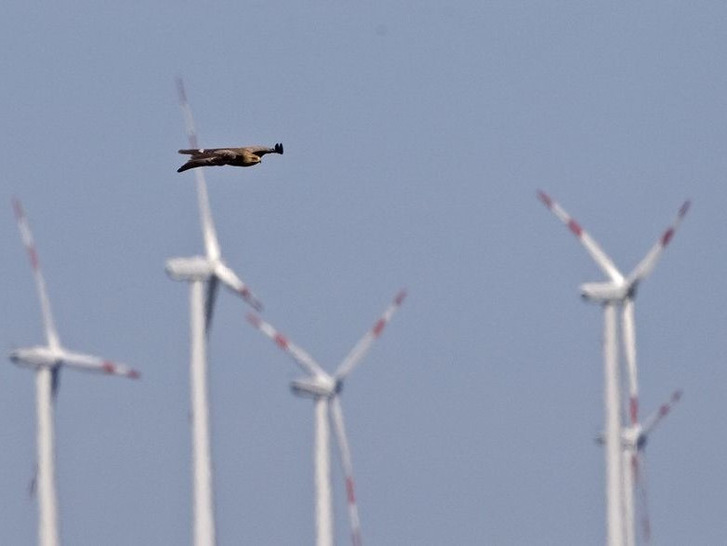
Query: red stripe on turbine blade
[
  {"x": 379, "y": 327},
  {"x": 545, "y": 198},
  {"x": 634, "y": 410},
  {"x": 349, "y": 491},
  {"x": 676, "y": 396},
  {"x": 400, "y": 297},
  {"x": 108, "y": 366},
  {"x": 281, "y": 341},
  {"x": 134, "y": 374},
  {"x": 33, "y": 257},
  {"x": 668, "y": 234},
  {"x": 254, "y": 320},
  {"x": 575, "y": 227}
]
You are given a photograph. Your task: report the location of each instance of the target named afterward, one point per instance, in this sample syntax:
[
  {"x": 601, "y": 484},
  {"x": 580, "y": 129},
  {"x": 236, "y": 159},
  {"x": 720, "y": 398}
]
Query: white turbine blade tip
[
  {"x": 566, "y": 218},
  {"x": 25, "y": 233},
  {"x": 545, "y": 198},
  {"x": 666, "y": 408},
  {"x": 18, "y": 208},
  {"x": 384, "y": 320},
  {"x": 669, "y": 233},
  {"x": 180, "y": 90},
  {"x": 685, "y": 208},
  {"x": 188, "y": 119}
]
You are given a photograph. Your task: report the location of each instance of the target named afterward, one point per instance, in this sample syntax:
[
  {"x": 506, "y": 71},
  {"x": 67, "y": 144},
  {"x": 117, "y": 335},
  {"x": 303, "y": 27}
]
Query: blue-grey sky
[{"x": 416, "y": 135}]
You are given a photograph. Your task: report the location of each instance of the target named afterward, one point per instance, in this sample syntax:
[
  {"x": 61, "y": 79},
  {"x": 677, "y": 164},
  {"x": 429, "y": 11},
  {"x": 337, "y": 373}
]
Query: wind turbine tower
[{"x": 47, "y": 361}]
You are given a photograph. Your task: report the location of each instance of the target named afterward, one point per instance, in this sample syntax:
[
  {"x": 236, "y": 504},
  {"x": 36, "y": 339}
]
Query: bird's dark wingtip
[{"x": 279, "y": 148}]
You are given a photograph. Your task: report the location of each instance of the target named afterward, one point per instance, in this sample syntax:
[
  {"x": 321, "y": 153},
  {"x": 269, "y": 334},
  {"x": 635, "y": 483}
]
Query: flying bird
[{"x": 237, "y": 157}]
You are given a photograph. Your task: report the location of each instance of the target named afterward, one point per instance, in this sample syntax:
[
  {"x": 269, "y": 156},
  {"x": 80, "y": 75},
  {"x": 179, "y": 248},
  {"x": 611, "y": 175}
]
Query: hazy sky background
[{"x": 415, "y": 138}]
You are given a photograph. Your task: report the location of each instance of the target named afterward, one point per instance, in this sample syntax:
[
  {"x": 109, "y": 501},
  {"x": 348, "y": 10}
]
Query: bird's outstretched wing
[
  {"x": 207, "y": 152},
  {"x": 207, "y": 158}
]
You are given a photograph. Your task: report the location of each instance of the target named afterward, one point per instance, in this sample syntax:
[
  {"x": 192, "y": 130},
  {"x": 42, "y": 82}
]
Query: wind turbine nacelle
[
  {"x": 35, "y": 357},
  {"x": 604, "y": 292},
  {"x": 315, "y": 387},
  {"x": 631, "y": 437},
  {"x": 197, "y": 268}
]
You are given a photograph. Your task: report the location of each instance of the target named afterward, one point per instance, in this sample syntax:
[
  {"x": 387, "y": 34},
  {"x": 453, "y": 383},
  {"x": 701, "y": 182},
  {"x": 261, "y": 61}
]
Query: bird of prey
[{"x": 237, "y": 157}]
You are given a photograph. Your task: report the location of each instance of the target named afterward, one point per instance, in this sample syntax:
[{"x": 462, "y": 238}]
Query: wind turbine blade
[
  {"x": 209, "y": 302},
  {"x": 299, "y": 355},
  {"x": 652, "y": 420},
  {"x": 211, "y": 244},
  {"x": 230, "y": 279},
  {"x": 364, "y": 344},
  {"x": 629, "y": 340},
  {"x": 646, "y": 266},
  {"x": 344, "y": 450},
  {"x": 55, "y": 381},
  {"x": 27, "y": 237},
  {"x": 187, "y": 112},
  {"x": 96, "y": 364},
  {"x": 591, "y": 246}
]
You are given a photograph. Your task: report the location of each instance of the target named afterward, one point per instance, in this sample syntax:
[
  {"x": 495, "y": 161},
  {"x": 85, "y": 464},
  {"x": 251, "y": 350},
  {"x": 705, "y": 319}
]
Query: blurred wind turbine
[
  {"x": 325, "y": 389},
  {"x": 618, "y": 290},
  {"x": 48, "y": 360},
  {"x": 203, "y": 273},
  {"x": 636, "y": 437}
]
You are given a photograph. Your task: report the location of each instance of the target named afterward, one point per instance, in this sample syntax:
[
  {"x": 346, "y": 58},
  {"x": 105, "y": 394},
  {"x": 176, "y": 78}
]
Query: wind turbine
[
  {"x": 47, "y": 360},
  {"x": 203, "y": 273},
  {"x": 618, "y": 290},
  {"x": 325, "y": 390},
  {"x": 636, "y": 437}
]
